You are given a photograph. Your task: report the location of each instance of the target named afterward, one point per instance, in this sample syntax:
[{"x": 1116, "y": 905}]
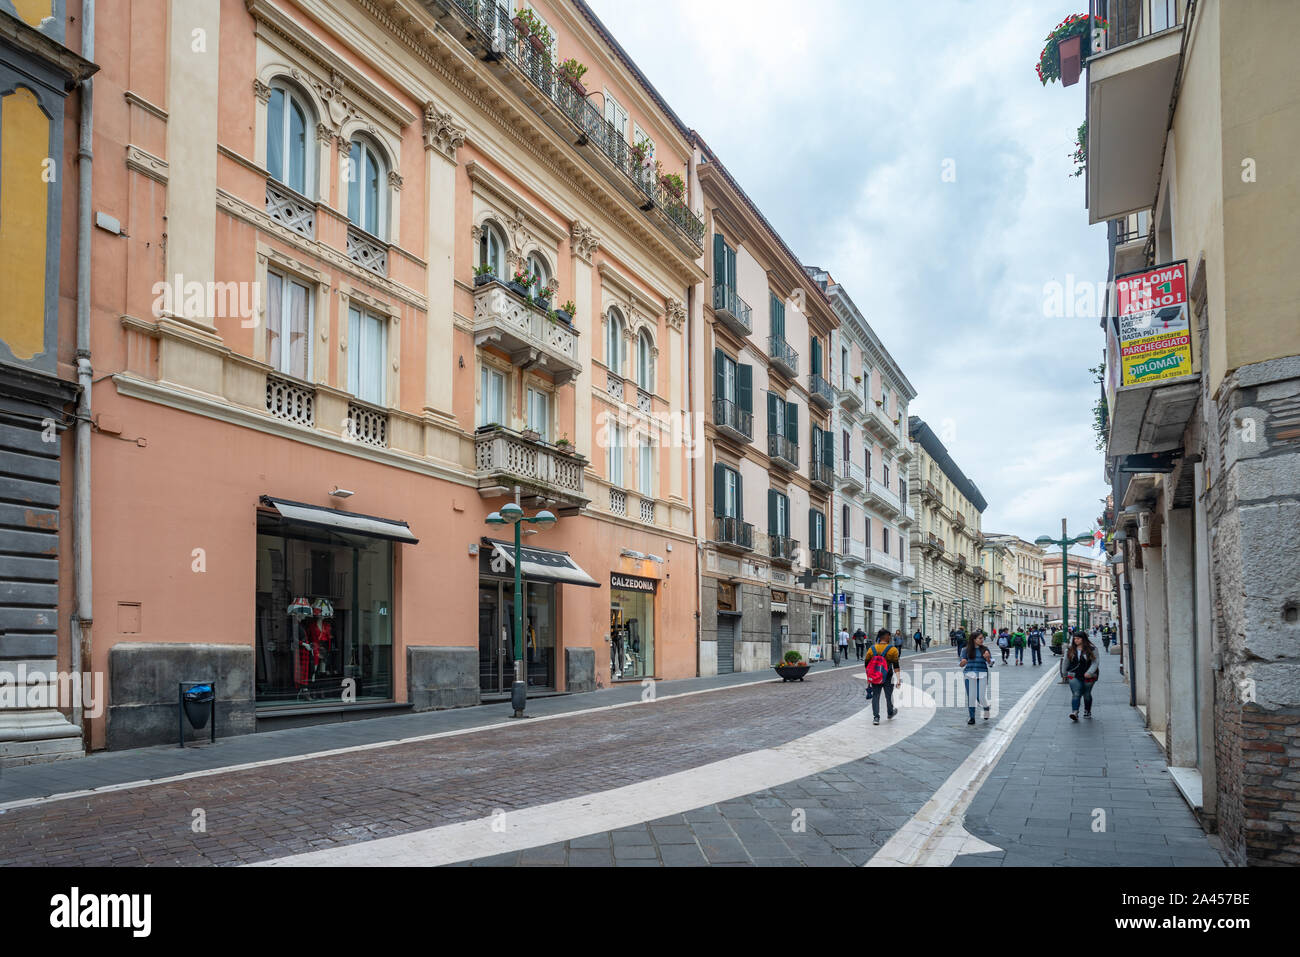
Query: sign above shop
[
  {"x": 633, "y": 582},
  {"x": 1154, "y": 336},
  {"x": 537, "y": 564}
]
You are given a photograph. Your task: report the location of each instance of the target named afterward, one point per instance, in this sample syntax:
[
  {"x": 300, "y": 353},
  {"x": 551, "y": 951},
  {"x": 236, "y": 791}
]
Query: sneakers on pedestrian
[
  {"x": 893, "y": 711},
  {"x": 1087, "y": 714},
  {"x": 972, "y": 720},
  {"x": 875, "y": 720},
  {"x": 986, "y": 714},
  {"x": 1074, "y": 716}
]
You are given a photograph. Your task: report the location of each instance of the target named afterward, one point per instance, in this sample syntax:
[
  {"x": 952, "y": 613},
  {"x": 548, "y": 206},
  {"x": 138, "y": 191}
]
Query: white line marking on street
[
  {"x": 848, "y": 740},
  {"x": 353, "y": 749},
  {"x": 935, "y": 835}
]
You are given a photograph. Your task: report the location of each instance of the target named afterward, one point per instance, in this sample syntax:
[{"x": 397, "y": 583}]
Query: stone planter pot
[
  {"x": 484, "y": 279},
  {"x": 792, "y": 672}
]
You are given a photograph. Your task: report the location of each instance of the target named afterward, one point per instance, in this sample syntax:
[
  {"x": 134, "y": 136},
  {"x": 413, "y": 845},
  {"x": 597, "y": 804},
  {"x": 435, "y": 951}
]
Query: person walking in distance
[
  {"x": 883, "y": 674},
  {"x": 899, "y": 642},
  {"x": 844, "y": 644},
  {"x": 1036, "y": 646},
  {"x": 1004, "y": 643},
  {"x": 859, "y": 641},
  {"x": 1018, "y": 642},
  {"x": 1081, "y": 667},
  {"x": 975, "y": 661},
  {"x": 1105, "y": 640},
  {"x": 916, "y": 639}
]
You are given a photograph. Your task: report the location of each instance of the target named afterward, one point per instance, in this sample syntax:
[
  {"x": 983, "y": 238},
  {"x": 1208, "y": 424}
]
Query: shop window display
[
  {"x": 323, "y": 616},
  {"x": 631, "y": 629}
]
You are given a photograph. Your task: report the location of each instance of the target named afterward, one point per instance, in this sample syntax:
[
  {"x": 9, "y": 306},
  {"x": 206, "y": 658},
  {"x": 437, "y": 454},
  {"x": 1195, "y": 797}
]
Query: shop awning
[
  {"x": 347, "y": 522},
  {"x": 539, "y": 564}
]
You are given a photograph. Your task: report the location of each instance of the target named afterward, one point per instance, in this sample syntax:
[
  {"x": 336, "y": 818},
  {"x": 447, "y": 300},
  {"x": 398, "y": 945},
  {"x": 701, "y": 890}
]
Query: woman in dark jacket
[
  {"x": 975, "y": 661},
  {"x": 1081, "y": 668}
]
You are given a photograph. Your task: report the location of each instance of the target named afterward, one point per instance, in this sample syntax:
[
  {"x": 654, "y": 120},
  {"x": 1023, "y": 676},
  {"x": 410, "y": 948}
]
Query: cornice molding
[
  {"x": 144, "y": 162},
  {"x": 524, "y": 212}
]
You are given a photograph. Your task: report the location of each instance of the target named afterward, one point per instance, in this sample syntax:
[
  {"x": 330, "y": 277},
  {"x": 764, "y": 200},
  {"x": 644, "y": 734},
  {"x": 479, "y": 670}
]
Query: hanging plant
[
  {"x": 1079, "y": 25},
  {"x": 1080, "y": 155}
]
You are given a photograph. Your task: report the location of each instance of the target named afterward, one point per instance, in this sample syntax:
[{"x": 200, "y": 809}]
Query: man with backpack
[
  {"x": 860, "y": 641},
  {"x": 1018, "y": 642},
  {"x": 1004, "y": 642},
  {"x": 883, "y": 674},
  {"x": 1036, "y": 646}
]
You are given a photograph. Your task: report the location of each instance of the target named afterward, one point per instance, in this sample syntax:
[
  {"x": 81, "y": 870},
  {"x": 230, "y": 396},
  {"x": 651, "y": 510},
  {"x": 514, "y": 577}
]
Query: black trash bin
[{"x": 199, "y": 705}]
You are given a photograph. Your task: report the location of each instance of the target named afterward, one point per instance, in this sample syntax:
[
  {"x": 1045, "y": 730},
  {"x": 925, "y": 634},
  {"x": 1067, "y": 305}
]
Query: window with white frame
[
  {"x": 615, "y": 456},
  {"x": 290, "y": 134},
  {"x": 367, "y": 355},
  {"x": 538, "y": 408},
  {"x": 492, "y": 397},
  {"x": 288, "y": 325},
  {"x": 645, "y": 467},
  {"x": 615, "y": 115},
  {"x": 492, "y": 250},
  {"x": 367, "y": 188},
  {"x": 614, "y": 347},
  {"x": 645, "y": 367},
  {"x": 540, "y": 271}
]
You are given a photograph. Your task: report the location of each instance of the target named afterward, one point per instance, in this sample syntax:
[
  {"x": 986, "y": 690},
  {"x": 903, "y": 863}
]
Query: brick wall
[{"x": 1258, "y": 755}]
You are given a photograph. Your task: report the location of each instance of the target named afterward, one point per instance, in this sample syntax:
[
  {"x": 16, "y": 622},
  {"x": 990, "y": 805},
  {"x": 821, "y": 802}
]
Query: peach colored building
[{"x": 324, "y": 209}]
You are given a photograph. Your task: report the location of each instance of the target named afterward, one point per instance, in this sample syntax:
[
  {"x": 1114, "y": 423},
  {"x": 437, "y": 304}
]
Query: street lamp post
[
  {"x": 1064, "y": 542},
  {"x": 1078, "y": 577},
  {"x": 925, "y": 625},
  {"x": 835, "y": 605},
  {"x": 512, "y": 514}
]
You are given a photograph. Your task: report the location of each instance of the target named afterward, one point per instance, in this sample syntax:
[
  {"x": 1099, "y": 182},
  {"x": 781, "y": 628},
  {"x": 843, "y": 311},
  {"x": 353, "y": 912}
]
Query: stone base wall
[
  {"x": 579, "y": 669},
  {"x": 144, "y": 680},
  {"x": 442, "y": 677}
]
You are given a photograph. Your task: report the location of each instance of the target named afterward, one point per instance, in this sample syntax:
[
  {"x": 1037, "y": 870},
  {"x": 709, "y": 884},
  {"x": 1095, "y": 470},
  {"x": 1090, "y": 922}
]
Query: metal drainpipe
[
  {"x": 1131, "y": 664},
  {"x": 83, "y": 616},
  {"x": 689, "y": 370}
]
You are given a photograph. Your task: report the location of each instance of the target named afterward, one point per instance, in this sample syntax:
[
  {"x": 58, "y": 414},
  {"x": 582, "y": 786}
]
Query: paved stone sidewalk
[{"x": 1041, "y": 800}]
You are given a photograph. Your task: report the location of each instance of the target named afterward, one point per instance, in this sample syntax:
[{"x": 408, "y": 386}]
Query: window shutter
[
  {"x": 719, "y": 489},
  {"x": 772, "y": 525},
  {"x": 772, "y": 400},
  {"x": 828, "y": 449},
  {"x": 778, "y": 316},
  {"x": 816, "y": 350},
  {"x": 719, "y": 375},
  {"x": 792, "y": 422},
  {"x": 740, "y": 499},
  {"x": 812, "y": 529},
  {"x": 719, "y": 260},
  {"x": 745, "y": 387},
  {"x": 731, "y": 268}
]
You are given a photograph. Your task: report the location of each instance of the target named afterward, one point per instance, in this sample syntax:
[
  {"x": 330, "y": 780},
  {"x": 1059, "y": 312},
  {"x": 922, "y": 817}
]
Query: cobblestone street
[{"x": 472, "y": 776}]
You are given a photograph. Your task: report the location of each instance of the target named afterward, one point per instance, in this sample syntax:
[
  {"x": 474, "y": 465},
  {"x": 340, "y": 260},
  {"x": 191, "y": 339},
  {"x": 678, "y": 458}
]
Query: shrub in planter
[
  {"x": 1079, "y": 25},
  {"x": 483, "y": 274},
  {"x": 673, "y": 185},
  {"x": 571, "y": 72},
  {"x": 793, "y": 657}
]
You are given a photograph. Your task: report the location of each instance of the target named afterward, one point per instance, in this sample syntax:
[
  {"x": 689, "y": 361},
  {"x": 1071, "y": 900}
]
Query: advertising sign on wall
[{"x": 1155, "y": 341}]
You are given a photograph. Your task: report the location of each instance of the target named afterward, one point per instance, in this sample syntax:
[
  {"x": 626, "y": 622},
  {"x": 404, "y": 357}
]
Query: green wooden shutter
[
  {"x": 745, "y": 387},
  {"x": 812, "y": 528},
  {"x": 731, "y": 267},
  {"x": 792, "y": 422},
  {"x": 719, "y": 489},
  {"x": 719, "y": 375},
  {"x": 772, "y": 525},
  {"x": 816, "y": 350},
  {"x": 778, "y": 317},
  {"x": 719, "y": 260},
  {"x": 772, "y": 400}
]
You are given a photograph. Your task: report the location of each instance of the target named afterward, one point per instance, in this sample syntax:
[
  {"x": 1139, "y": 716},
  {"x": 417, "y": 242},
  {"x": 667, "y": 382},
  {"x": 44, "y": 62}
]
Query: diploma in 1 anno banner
[{"x": 1155, "y": 341}]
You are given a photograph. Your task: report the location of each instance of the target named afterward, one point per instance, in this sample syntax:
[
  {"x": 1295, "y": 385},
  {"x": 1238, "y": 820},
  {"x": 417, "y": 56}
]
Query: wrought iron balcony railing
[
  {"x": 822, "y": 392},
  {"x": 729, "y": 530},
  {"x": 782, "y": 548},
  {"x": 731, "y": 418},
  {"x": 1131, "y": 20},
  {"x": 731, "y": 309},
  {"x": 783, "y": 357},
  {"x": 492, "y": 29},
  {"x": 782, "y": 451}
]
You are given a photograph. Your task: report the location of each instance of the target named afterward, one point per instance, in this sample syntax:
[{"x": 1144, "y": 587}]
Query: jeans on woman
[
  {"x": 1020, "y": 654},
  {"x": 1080, "y": 689},
  {"x": 977, "y": 690}
]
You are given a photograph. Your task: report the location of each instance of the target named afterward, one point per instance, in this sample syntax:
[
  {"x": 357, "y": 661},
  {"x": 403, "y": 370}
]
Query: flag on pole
[{"x": 1098, "y": 544}]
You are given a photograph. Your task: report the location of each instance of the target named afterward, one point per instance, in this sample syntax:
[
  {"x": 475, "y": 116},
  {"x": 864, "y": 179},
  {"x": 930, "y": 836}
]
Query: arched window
[
  {"x": 368, "y": 188},
  {"x": 645, "y": 362},
  {"x": 290, "y": 123},
  {"x": 492, "y": 250},
  {"x": 540, "y": 272},
  {"x": 614, "y": 340}
]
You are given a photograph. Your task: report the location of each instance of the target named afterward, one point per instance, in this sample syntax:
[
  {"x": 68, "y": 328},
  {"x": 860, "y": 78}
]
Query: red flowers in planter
[{"x": 1070, "y": 41}]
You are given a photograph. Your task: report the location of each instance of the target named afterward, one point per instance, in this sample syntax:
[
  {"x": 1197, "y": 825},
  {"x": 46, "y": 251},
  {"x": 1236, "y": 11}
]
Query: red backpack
[{"x": 877, "y": 665}]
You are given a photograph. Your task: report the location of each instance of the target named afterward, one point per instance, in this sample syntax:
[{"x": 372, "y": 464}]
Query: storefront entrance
[
  {"x": 496, "y": 635},
  {"x": 631, "y": 627}
]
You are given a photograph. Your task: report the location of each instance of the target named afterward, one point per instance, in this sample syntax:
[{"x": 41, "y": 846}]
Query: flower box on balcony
[{"x": 673, "y": 185}]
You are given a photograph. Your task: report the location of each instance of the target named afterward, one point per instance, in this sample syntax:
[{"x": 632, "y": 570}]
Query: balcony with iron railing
[
  {"x": 820, "y": 560},
  {"x": 852, "y": 476},
  {"x": 883, "y": 425},
  {"x": 882, "y": 561},
  {"x": 930, "y": 492},
  {"x": 504, "y": 458},
  {"x": 884, "y": 497},
  {"x": 852, "y": 551},
  {"x": 732, "y": 311},
  {"x": 784, "y": 359},
  {"x": 820, "y": 391},
  {"x": 850, "y": 394},
  {"x": 1132, "y": 237},
  {"x": 486, "y": 30},
  {"x": 1130, "y": 85},
  {"x": 733, "y": 534},
  {"x": 782, "y": 548},
  {"x": 782, "y": 452},
  {"x": 821, "y": 474},
  {"x": 732, "y": 421}
]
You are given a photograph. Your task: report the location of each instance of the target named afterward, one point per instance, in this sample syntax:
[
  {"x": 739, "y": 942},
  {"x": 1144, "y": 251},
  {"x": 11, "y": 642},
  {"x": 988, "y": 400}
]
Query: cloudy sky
[{"x": 839, "y": 117}]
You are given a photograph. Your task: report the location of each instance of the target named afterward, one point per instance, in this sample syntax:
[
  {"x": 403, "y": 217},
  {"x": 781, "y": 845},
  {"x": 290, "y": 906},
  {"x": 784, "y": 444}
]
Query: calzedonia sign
[
  {"x": 633, "y": 583},
  {"x": 1155, "y": 340}
]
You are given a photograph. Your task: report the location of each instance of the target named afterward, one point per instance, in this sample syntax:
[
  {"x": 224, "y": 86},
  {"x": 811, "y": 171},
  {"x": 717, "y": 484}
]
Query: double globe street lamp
[{"x": 512, "y": 514}]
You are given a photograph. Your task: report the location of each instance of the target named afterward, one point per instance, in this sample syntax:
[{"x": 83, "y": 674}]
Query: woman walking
[
  {"x": 1081, "y": 667},
  {"x": 975, "y": 662}
]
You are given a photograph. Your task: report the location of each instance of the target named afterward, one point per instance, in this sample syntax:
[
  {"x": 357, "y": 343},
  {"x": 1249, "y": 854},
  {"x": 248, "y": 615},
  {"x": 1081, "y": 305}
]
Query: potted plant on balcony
[
  {"x": 565, "y": 315},
  {"x": 522, "y": 282},
  {"x": 571, "y": 72},
  {"x": 673, "y": 185},
  {"x": 530, "y": 435},
  {"x": 1068, "y": 46},
  {"x": 520, "y": 21},
  {"x": 528, "y": 27},
  {"x": 793, "y": 668},
  {"x": 483, "y": 274},
  {"x": 563, "y": 443}
]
